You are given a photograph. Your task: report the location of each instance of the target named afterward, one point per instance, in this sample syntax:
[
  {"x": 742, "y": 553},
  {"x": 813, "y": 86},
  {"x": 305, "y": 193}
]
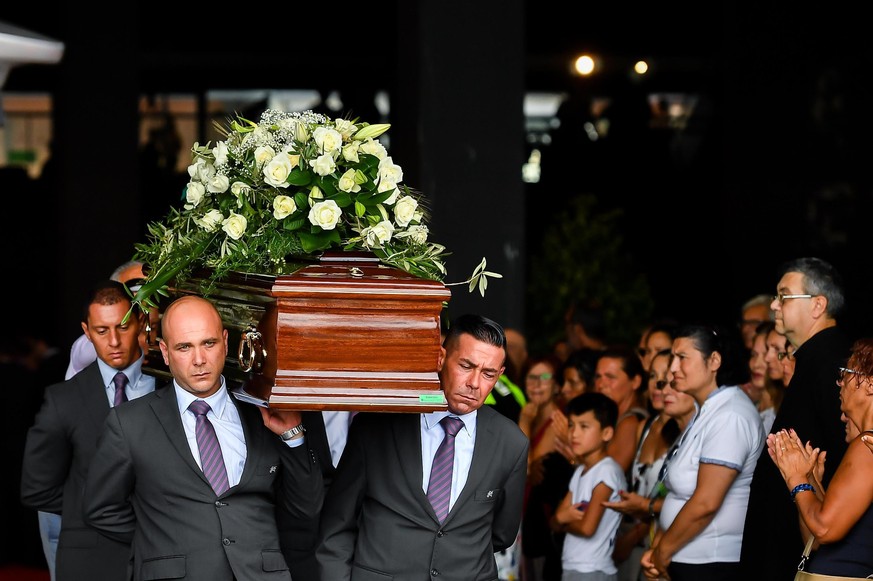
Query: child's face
[{"x": 586, "y": 434}]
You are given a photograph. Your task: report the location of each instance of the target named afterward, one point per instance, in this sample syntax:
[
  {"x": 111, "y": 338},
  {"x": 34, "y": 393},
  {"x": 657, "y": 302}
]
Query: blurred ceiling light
[
  {"x": 641, "y": 67},
  {"x": 584, "y": 65}
]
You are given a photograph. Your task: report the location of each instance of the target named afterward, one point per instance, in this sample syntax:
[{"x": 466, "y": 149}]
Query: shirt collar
[
  {"x": 433, "y": 418},
  {"x": 133, "y": 372},
  {"x": 216, "y": 401}
]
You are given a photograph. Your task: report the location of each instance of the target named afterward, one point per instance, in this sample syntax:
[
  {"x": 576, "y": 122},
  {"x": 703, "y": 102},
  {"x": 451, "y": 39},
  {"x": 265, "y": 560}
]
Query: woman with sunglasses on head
[
  {"x": 708, "y": 477},
  {"x": 839, "y": 520}
]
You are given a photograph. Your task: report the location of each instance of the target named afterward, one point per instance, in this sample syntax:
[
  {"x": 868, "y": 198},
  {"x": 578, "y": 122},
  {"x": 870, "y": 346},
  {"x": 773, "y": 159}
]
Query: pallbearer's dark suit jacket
[
  {"x": 60, "y": 447},
  {"x": 378, "y": 524},
  {"x": 299, "y": 537},
  {"x": 144, "y": 485}
]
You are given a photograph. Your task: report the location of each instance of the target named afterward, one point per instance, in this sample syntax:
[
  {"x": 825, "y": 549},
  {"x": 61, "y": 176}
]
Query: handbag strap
[{"x": 806, "y": 550}]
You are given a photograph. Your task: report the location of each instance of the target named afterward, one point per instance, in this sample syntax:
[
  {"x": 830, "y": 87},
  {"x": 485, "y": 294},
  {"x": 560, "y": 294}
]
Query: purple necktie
[
  {"x": 439, "y": 487},
  {"x": 211, "y": 460},
  {"x": 120, "y": 381}
]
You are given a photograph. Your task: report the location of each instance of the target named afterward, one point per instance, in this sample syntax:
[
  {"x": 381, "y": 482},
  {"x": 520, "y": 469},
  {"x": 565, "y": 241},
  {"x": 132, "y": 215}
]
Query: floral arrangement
[{"x": 291, "y": 186}]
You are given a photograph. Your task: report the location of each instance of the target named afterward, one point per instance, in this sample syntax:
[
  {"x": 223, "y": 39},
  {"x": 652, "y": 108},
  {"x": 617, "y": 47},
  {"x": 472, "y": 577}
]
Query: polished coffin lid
[{"x": 344, "y": 333}]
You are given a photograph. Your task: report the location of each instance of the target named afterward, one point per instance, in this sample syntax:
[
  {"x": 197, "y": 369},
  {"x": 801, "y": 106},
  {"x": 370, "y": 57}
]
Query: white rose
[
  {"x": 404, "y": 210},
  {"x": 220, "y": 153},
  {"x": 389, "y": 186},
  {"x": 328, "y": 140},
  {"x": 201, "y": 170},
  {"x": 276, "y": 172},
  {"x": 373, "y": 147},
  {"x": 210, "y": 220},
  {"x": 345, "y": 127},
  {"x": 390, "y": 171},
  {"x": 283, "y": 206},
  {"x": 347, "y": 182},
  {"x": 235, "y": 225},
  {"x": 323, "y": 165},
  {"x": 194, "y": 169},
  {"x": 418, "y": 234},
  {"x": 240, "y": 188},
  {"x": 218, "y": 184},
  {"x": 350, "y": 152},
  {"x": 325, "y": 214},
  {"x": 264, "y": 154},
  {"x": 378, "y": 234},
  {"x": 194, "y": 194}
]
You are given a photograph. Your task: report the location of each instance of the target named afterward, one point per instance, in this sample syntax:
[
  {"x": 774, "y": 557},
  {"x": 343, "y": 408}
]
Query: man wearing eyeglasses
[{"x": 810, "y": 299}]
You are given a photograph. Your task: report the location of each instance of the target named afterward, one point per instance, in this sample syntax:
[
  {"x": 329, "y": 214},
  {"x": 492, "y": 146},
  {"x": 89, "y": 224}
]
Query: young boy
[{"x": 590, "y": 527}]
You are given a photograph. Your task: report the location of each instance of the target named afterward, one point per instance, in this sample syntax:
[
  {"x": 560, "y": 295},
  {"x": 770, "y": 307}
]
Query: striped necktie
[
  {"x": 211, "y": 460},
  {"x": 439, "y": 487}
]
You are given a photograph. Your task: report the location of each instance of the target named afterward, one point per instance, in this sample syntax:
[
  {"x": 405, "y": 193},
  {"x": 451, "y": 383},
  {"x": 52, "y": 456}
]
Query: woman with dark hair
[
  {"x": 709, "y": 474},
  {"x": 620, "y": 376}
]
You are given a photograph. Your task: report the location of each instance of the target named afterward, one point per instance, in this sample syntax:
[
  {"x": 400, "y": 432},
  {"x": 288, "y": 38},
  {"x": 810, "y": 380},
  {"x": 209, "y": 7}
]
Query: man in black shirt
[{"x": 809, "y": 299}]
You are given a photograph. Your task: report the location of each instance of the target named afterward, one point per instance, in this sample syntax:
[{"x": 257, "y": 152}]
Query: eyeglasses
[
  {"x": 844, "y": 371},
  {"x": 783, "y": 354},
  {"x": 538, "y": 378},
  {"x": 782, "y": 297}
]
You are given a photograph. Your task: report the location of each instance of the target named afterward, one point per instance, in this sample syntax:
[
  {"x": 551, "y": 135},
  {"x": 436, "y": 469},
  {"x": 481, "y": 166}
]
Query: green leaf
[
  {"x": 320, "y": 241},
  {"x": 342, "y": 199},
  {"x": 294, "y": 224},
  {"x": 299, "y": 177},
  {"x": 360, "y": 209}
]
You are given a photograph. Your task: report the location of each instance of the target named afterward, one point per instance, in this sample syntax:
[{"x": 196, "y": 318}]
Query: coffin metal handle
[
  {"x": 356, "y": 272},
  {"x": 250, "y": 340}
]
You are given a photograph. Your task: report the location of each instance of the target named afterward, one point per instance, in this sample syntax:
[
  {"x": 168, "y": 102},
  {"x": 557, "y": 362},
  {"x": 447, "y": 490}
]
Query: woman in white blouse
[{"x": 708, "y": 478}]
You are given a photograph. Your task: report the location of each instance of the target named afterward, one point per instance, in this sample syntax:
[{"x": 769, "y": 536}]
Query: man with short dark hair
[
  {"x": 403, "y": 505},
  {"x": 62, "y": 441}
]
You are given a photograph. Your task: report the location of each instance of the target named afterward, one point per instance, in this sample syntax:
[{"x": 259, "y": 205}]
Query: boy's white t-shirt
[{"x": 594, "y": 553}]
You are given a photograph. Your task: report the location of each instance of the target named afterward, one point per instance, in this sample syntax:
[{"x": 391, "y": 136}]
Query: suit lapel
[
  {"x": 166, "y": 409},
  {"x": 250, "y": 419},
  {"x": 94, "y": 394},
  {"x": 483, "y": 456},
  {"x": 407, "y": 439}
]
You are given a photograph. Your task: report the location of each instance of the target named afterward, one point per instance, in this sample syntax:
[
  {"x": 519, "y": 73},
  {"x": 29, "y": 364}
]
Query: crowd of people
[
  {"x": 720, "y": 433},
  {"x": 671, "y": 459}
]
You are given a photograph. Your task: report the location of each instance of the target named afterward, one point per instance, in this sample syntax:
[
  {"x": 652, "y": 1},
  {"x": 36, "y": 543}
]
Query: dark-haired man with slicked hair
[{"x": 418, "y": 496}]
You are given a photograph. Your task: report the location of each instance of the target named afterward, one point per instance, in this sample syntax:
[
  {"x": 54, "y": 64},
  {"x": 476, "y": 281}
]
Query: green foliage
[{"x": 582, "y": 258}]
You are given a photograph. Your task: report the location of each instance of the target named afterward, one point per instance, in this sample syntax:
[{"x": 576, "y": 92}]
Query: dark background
[{"x": 773, "y": 165}]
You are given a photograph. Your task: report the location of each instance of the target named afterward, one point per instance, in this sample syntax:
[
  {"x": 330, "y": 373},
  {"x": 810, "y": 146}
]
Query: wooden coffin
[{"x": 344, "y": 333}]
